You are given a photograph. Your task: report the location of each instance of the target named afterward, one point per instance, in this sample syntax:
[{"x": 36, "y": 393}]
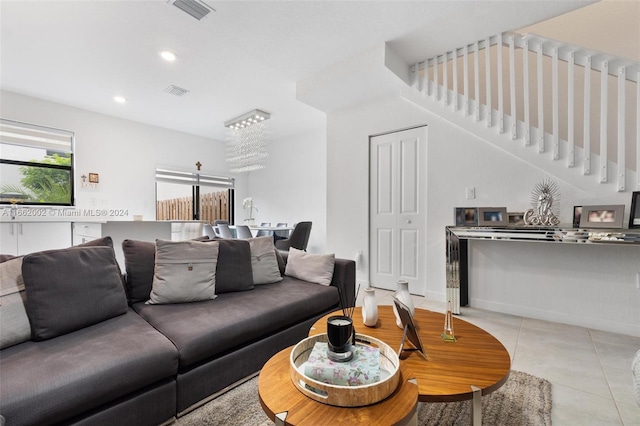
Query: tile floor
[{"x": 590, "y": 370}]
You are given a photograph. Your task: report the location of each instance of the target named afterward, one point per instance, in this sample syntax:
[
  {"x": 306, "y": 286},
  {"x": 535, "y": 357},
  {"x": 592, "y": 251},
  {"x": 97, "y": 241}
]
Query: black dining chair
[{"x": 298, "y": 239}]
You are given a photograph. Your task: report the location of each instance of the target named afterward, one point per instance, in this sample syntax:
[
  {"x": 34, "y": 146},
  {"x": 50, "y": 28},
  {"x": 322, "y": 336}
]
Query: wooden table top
[
  {"x": 476, "y": 359},
  {"x": 279, "y": 395}
]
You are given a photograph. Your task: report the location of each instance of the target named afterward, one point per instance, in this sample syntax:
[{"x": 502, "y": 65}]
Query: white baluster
[
  {"x": 587, "y": 116},
  {"x": 540, "y": 101},
  {"x": 571, "y": 156},
  {"x": 476, "y": 79},
  {"x": 512, "y": 82},
  {"x": 500, "y": 86},
  {"x": 554, "y": 88},
  {"x": 604, "y": 94},
  {"x": 465, "y": 74},
  {"x": 455, "y": 80},
  {"x": 445, "y": 78},
  {"x": 622, "y": 78},
  {"x": 525, "y": 82},
  {"x": 487, "y": 54}
]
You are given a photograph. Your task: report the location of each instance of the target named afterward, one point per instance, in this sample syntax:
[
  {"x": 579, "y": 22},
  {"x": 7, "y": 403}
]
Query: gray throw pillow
[
  {"x": 14, "y": 322},
  {"x": 185, "y": 271},
  {"x": 315, "y": 268},
  {"x": 264, "y": 264},
  {"x": 72, "y": 288}
]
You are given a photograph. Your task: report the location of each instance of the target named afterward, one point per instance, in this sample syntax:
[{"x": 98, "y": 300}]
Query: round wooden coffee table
[
  {"x": 476, "y": 360},
  {"x": 475, "y": 365},
  {"x": 285, "y": 404}
]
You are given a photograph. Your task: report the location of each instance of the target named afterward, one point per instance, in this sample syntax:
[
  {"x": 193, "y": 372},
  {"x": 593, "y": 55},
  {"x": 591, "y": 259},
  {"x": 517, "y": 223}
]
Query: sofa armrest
[{"x": 344, "y": 277}]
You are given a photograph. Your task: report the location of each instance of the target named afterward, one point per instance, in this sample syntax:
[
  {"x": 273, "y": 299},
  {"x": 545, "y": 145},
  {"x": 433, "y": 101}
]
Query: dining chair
[
  {"x": 208, "y": 231},
  {"x": 280, "y": 235},
  {"x": 223, "y": 231},
  {"x": 299, "y": 238},
  {"x": 263, "y": 233},
  {"x": 243, "y": 232}
]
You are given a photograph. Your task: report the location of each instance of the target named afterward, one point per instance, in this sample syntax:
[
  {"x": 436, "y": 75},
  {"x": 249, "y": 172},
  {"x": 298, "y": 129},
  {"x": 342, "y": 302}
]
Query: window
[
  {"x": 36, "y": 165},
  {"x": 179, "y": 196}
]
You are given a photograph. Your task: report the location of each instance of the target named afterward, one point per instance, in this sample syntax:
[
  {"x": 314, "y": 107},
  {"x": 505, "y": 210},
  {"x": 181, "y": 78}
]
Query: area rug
[{"x": 525, "y": 400}]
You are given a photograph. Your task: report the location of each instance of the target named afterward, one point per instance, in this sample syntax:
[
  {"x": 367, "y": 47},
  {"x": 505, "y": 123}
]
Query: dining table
[{"x": 256, "y": 228}]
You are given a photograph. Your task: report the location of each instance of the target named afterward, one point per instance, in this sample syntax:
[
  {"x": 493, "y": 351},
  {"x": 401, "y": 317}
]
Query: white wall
[
  {"x": 292, "y": 186},
  {"x": 457, "y": 160},
  {"x": 124, "y": 153}
]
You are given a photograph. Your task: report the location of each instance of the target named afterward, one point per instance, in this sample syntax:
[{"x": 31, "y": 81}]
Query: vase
[
  {"x": 248, "y": 222},
  {"x": 403, "y": 295},
  {"x": 369, "y": 307}
]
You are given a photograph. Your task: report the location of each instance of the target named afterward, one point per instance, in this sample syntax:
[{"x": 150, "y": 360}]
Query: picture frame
[
  {"x": 410, "y": 329},
  {"x": 577, "y": 214},
  {"x": 515, "y": 218},
  {"x": 604, "y": 216},
  {"x": 94, "y": 178},
  {"x": 492, "y": 216},
  {"x": 634, "y": 214},
  {"x": 466, "y": 216}
]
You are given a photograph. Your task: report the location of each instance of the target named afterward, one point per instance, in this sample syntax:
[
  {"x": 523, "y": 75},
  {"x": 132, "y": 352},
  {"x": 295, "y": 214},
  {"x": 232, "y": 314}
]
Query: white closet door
[{"x": 397, "y": 210}]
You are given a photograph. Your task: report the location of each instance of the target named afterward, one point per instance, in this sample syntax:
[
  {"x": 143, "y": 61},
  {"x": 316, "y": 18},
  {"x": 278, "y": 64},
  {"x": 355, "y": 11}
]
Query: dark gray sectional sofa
[{"x": 98, "y": 355}]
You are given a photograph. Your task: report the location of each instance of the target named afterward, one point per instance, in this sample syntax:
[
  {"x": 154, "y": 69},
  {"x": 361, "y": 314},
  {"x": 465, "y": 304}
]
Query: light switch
[{"x": 471, "y": 193}]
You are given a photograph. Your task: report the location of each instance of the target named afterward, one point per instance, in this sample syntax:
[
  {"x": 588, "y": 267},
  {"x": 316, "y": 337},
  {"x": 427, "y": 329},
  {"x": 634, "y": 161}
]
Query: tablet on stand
[{"x": 410, "y": 330}]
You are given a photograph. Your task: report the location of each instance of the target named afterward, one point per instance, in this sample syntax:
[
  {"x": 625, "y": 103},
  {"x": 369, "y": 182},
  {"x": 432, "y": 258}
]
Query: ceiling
[{"x": 243, "y": 56}]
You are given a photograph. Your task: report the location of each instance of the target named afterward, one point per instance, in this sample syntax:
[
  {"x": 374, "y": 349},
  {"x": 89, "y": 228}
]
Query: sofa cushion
[
  {"x": 203, "y": 330},
  {"x": 14, "y": 326},
  {"x": 71, "y": 288},
  {"x": 233, "y": 271},
  {"x": 281, "y": 262},
  {"x": 264, "y": 263},
  {"x": 185, "y": 271},
  {"x": 99, "y": 242},
  {"x": 51, "y": 381},
  {"x": 234, "y": 266},
  {"x": 316, "y": 268},
  {"x": 5, "y": 257},
  {"x": 139, "y": 263}
]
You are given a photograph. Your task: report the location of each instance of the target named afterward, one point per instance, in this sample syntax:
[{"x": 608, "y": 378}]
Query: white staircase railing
[{"x": 537, "y": 93}]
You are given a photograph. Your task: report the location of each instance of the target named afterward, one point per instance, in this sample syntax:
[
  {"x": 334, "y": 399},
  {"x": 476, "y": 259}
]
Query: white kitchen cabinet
[{"x": 20, "y": 238}]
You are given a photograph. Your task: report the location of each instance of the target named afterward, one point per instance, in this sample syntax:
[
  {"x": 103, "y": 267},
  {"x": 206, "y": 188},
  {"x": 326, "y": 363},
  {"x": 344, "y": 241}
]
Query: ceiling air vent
[
  {"x": 175, "y": 90},
  {"x": 197, "y": 9}
]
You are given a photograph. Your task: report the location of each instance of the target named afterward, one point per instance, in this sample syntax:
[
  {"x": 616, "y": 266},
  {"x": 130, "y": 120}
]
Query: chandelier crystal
[{"x": 247, "y": 142}]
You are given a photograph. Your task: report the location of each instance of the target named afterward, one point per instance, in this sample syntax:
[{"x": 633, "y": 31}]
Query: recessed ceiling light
[
  {"x": 168, "y": 56},
  {"x": 119, "y": 99}
]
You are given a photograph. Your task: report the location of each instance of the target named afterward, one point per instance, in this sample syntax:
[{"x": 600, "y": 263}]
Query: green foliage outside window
[{"x": 42, "y": 184}]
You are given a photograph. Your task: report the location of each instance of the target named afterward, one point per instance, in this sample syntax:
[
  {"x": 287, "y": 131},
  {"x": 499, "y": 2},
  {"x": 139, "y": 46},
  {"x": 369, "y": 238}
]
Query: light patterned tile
[
  {"x": 576, "y": 407},
  {"x": 630, "y": 414}
]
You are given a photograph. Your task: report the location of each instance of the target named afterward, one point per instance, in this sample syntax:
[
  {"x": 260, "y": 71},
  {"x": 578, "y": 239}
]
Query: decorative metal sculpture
[{"x": 545, "y": 199}]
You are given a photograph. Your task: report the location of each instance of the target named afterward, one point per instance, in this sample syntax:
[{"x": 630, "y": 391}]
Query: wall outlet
[{"x": 471, "y": 193}]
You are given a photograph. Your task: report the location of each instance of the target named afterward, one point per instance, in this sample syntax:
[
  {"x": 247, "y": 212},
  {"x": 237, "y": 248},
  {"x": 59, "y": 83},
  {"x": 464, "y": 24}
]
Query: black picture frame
[
  {"x": 410, "y": 329},
  {"x": 466, "y": 216},
  {"x": 634, "y": 214},
  {"x": 577, "y": 215}
]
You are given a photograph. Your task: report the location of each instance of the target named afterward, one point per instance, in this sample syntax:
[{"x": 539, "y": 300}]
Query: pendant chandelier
[{"x": 247, "y": 141}]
